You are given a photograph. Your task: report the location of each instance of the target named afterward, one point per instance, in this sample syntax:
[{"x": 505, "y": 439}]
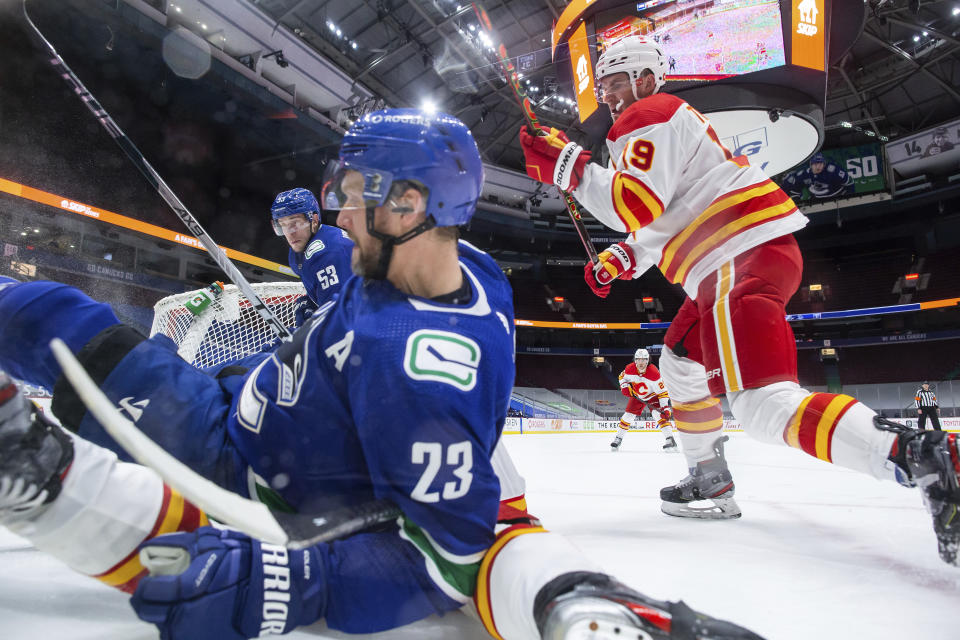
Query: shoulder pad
[
  {"x": 652, "y": 373},
  {"x": 656, "y": 109}
]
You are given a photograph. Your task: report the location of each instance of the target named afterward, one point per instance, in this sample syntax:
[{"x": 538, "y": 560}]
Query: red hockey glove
[
  {"x": 665, "y": 414},
  {"x": 616, "y": 261},
  {"x": 553, "y": 159}
]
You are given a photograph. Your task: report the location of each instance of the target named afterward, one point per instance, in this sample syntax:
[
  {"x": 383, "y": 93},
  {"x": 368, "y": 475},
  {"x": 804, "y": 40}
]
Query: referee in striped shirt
[{"x": 927, "y": 407}]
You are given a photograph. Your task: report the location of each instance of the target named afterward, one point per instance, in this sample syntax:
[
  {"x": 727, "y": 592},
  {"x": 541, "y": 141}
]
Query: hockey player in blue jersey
[
  {"x": 314, "y": 420},
  {"x": 319, "y": 254},
  {"x": 822, "y": 179}
]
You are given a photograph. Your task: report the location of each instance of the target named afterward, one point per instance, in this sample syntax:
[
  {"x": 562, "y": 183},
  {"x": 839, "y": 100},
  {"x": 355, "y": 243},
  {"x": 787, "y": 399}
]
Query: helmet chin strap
[{"x": 388, "y": 242}]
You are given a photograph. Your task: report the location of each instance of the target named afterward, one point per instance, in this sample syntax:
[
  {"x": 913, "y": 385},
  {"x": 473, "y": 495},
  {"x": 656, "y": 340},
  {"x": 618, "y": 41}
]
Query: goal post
[{"x": 229, "y": 328}]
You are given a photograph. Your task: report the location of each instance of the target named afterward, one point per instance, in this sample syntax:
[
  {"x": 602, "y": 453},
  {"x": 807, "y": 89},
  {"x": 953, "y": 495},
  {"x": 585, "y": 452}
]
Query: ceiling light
[
  {"x": 846, "y": 125},
  {"x": 473, "y": 27},
  {"x": 353, "y": 44},
  {"x": 204, "y": 27},
  {"x": 331, "y": 26},
  {"x": 925, "y": 34},
  {"x": 916, "y": 38},
  {"x": 428, "y": 106},
  {"x": 339, "y": 33},
  {"x": 956, "y": 11},
  {"x": 869, "y": 133}
]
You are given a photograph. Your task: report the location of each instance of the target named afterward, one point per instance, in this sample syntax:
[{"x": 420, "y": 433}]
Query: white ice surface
[{"x": 820, "y": 552}]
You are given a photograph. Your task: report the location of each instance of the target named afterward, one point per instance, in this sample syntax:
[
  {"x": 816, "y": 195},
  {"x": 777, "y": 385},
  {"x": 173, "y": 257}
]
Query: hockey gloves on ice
[
  {"x": 215, "y": 583},
  {"x": 552, "y": 158},
  {"x": 616, "y": 261}
]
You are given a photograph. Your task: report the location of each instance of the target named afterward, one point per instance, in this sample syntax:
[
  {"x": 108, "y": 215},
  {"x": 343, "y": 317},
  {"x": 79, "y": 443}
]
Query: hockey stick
[
  {"x": 533, "y": 124},
  {"x": 154, "y": 179},
  {"x": 295, "y": 531}
]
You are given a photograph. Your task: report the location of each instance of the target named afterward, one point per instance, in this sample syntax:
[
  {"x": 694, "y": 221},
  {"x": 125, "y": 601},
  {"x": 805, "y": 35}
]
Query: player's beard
[{"x": 365, "y": 258}]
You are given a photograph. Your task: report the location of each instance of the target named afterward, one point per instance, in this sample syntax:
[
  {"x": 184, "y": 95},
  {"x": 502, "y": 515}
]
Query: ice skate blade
[
  {"x": 673, "y": 449},
  {"x": 593, "y": 628},
  {"x": 721, "y": 509},
  {"x": 587, "y": 618}
]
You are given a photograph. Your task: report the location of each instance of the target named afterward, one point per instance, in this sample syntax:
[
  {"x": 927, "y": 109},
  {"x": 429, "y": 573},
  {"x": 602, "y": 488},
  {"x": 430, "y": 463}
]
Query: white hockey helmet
[
  {"x": 631, "y": 55},
  {"x": 641, "y": 354}
]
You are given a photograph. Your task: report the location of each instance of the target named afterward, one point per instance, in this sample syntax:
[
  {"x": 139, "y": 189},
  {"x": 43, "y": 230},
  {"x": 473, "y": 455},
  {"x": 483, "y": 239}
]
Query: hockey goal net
[{"x": 229, "y": 328}]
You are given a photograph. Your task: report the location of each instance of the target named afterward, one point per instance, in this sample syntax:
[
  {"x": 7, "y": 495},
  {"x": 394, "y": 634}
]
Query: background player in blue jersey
[
  {"x": 823, "y": 179},
  {"x": 319, "y": 254},
  {"x": 431, "y": 314}
]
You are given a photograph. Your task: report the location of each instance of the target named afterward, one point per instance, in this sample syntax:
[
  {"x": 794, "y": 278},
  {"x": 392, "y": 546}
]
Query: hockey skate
[
  {"x": 670, "y": 446},
  {"x": 931, "y": 460},
  {"x": 34, "y": 453},
  {"x": 615, "y": 445},
  {"x": 710, "y": 481},
  {"x": 593, "y": 606}
]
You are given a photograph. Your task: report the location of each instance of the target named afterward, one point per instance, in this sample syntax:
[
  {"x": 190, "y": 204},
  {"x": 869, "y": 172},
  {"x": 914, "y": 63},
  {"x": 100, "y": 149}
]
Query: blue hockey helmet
[
  {"x": 818, "y": 157},
  {"x": 393, "y": 147},
  {"x": 292, "y": 202}
]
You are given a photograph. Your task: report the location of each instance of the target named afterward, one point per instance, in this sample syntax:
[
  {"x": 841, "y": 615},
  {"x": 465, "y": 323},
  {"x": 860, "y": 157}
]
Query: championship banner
[
  {"x": 836, "y": 173},
  {"x": 935, "y": 151}
]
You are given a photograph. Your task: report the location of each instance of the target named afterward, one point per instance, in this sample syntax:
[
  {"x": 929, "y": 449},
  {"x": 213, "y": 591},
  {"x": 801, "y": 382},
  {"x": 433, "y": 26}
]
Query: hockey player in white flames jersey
[
  {"x": 434, "y": 309},
  {"x": 723, "y": 230},
  {"x": 640, "y": 381}
]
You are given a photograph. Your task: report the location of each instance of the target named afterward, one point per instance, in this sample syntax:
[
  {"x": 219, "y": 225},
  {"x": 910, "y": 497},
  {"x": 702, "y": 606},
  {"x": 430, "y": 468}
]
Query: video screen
[{"x": 702, "y": 39}]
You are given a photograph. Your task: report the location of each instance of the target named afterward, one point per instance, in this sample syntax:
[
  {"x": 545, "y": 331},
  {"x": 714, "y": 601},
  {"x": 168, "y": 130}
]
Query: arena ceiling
[
  {"x": 225, "y": 134},
  {"x": 902, "y": 75}
]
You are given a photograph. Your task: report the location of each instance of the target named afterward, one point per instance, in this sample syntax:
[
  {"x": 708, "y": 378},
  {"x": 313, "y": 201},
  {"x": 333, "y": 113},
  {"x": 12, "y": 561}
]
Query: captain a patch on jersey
[{"x": 442, "y": 356}]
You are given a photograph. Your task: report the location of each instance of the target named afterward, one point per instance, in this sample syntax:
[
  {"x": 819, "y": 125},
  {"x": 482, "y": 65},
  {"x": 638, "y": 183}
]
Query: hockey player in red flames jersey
[
  {"x": 640, "y": 381},
  {"x": 723, "y": 230}
]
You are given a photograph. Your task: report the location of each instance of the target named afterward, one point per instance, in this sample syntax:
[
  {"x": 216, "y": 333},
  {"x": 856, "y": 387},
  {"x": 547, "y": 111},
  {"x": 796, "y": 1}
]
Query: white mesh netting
[{"x": 229, "y": 328}]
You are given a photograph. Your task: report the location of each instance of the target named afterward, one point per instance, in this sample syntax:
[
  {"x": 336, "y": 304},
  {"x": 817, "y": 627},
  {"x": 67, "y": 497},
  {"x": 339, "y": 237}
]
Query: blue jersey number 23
[{"x": 459, "y": 455}]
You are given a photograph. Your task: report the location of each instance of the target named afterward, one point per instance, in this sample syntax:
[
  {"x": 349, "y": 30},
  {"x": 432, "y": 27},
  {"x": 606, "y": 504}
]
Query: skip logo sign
[
  {"x": 583, "y": 74},
  {"x": 808, "y": 17}
]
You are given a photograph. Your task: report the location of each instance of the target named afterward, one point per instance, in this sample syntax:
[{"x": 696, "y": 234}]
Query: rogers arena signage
[{"x": 561, "y": 425}]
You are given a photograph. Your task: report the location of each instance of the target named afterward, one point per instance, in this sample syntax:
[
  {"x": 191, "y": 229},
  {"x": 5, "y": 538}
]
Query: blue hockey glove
[
  {"x": 303, "y": 308},
  {"x": 228, "y": 586}
]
